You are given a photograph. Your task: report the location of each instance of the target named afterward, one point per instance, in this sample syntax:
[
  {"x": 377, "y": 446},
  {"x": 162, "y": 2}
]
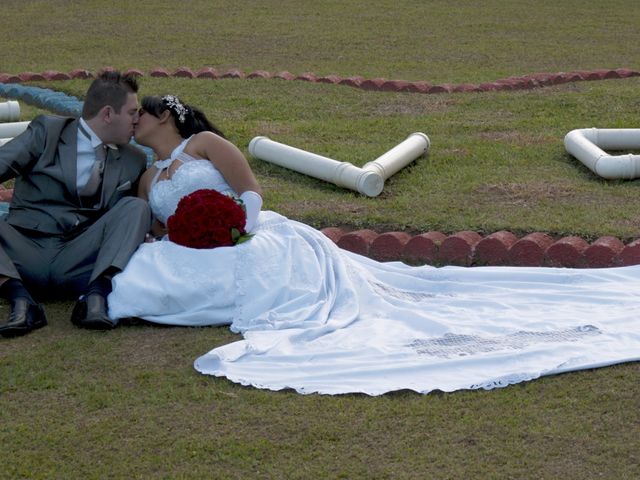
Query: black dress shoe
[
  {"x": 24, "y": 317},
  {"x": 91, "y": 312}
]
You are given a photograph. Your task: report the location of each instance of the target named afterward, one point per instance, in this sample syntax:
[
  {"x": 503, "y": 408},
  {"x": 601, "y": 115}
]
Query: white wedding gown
[{"x": 316, "y": 318}]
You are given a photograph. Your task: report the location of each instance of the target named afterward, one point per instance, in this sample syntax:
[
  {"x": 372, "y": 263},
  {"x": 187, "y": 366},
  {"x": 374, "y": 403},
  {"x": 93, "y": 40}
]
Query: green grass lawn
[
  {"x": 436, "y": 40},
  {"x": 496, "y": 161},
  {"x": 127, "y": 403}
]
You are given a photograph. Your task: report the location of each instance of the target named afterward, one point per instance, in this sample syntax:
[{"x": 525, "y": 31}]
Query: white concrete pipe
[
  {"x": 10, "y": 130},
  {"x": 342, "y": 174},
  {"x": 9, "y": 111},
  {"x": 399, "y": 156},
  {"x": 368, "y": 180},
  {"x": 588, "y": 144}
]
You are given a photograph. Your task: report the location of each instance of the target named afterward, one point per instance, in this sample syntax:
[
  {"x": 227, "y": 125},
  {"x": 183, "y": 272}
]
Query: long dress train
[{"x": 316, "y": 318}]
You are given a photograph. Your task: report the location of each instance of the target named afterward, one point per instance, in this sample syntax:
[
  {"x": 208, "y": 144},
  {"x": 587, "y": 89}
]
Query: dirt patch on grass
[
  {"x": 414, "y": 104},
  {"x": 271, "y": 129},
  {"x": 453, "y": 152},
  {"x": 523, "y": 194},
  {"x": 518, "y": 138},
  {"x": 337, "y": 209},
  {"x": 633, "y": 225},
  {"x": 147, "y": 347}
]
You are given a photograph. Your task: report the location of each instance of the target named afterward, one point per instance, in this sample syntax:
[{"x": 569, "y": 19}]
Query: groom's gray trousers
[{"x": 63, "y": 265}]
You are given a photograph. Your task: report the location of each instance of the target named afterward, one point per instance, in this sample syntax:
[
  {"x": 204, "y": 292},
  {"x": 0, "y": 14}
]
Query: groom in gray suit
[{"x": 74, "y": 220}]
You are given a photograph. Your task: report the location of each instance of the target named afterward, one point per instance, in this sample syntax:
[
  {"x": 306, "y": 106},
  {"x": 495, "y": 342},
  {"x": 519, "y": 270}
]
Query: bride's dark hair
[{"x": 189, "y": 120}]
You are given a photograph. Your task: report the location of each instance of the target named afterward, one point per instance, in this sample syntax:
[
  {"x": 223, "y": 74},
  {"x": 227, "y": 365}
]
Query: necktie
[{"x": 95, "y": 177}]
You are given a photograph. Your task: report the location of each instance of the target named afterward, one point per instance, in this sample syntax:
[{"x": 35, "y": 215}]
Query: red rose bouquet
[{"x": 208, "y": 219}]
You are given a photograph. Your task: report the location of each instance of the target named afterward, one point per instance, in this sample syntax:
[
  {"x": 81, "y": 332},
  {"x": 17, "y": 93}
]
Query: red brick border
[
  {"x": 524, "y": 82},
  {"x": 461, "y": 248},
  {"x": 468, "y": 248}
]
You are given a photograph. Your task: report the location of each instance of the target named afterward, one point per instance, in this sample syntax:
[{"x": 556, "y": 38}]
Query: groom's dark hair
[{"x": 109, "y": 88}]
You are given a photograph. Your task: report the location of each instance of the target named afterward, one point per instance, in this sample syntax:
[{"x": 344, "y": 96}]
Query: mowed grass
[
  {"x": 439, "y": 41},
  {"x": 496, "y": 161},
  {"x": 127, "y": 403}
]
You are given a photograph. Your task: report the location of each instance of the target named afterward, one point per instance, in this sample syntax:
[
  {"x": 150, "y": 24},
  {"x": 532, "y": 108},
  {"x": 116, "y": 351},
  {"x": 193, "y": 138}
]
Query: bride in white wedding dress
[{"x": 316, "y": 318}]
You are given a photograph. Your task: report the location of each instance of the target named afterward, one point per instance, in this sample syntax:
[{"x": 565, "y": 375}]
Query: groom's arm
[{"x": 18, "y": 155}]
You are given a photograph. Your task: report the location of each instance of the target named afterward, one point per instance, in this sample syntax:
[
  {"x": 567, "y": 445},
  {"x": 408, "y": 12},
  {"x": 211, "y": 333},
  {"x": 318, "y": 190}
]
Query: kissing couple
[
  {"x": 314, "y": 317},
  {"x": 80, "y": 205}
]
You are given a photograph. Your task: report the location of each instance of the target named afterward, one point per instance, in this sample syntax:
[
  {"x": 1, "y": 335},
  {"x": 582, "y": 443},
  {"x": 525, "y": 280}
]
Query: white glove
[{"x": 252, "y": 203}]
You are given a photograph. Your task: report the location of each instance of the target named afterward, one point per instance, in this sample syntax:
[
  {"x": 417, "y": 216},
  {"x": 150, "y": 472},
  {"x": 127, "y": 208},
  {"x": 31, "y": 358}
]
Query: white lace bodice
[{"x": 192, "y": 175}]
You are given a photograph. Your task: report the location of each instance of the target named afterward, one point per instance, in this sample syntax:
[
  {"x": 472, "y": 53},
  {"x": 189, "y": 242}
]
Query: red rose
[{"x": 207, "y": 219}]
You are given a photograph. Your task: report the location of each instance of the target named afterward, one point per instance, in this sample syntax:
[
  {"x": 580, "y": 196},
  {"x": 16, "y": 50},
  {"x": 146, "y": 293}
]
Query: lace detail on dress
[
  {"x": 505, "y": 381},
  {"x": 162, "y": 164},
  {"x": 387, "y": 291},
  {"x": 454, "y": 345},
  {"x": 194, "y": 174}
]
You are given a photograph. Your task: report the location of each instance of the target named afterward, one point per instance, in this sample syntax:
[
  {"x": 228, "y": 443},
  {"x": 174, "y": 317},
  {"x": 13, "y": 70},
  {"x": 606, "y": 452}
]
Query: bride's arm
[
  {"x": 233, "y": 166},
  {"x": 145, "y": 184},
  {"x": 157, "y": 228},
  {"x": 227, "y": 158}
]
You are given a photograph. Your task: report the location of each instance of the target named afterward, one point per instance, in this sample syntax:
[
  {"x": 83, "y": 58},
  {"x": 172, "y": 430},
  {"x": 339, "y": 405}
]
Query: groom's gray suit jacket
[
  {"x": 43, "y": 162},
  {"x": 46, "y": 205}
]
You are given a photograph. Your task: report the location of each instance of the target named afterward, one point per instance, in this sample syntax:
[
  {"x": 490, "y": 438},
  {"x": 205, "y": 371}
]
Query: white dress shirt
[{"x": 86, "y": 153}]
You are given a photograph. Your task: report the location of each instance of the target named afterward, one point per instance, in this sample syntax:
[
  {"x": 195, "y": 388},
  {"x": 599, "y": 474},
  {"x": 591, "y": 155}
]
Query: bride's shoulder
[
  {"x": 202, "y": 142},
  {"x": 202, "y": 138}
]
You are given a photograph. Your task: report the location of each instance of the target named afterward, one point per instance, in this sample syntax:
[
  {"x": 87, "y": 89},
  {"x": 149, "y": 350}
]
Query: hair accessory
[{"x": 174, "y": 104}]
